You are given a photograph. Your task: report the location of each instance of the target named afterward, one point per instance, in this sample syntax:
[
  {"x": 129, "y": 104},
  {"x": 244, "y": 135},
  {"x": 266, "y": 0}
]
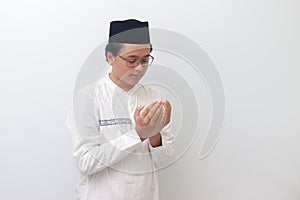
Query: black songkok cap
[{"x": 129, "y": 31}]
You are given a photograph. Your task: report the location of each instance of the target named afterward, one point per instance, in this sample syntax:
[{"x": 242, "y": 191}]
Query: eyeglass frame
[{"x": 139, "y": 61}]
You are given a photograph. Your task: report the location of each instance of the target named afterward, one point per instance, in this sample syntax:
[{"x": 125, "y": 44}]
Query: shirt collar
[{"x": 116, "y": 88}]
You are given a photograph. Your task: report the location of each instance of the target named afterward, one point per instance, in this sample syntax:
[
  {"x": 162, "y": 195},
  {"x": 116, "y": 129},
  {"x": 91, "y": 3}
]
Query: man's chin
[
  {"x": 131, "y": 83},
  {"x": 133, "y": 80}
]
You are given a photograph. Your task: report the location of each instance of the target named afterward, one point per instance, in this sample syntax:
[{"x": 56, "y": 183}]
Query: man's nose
[{"x": 139, "y": 67}]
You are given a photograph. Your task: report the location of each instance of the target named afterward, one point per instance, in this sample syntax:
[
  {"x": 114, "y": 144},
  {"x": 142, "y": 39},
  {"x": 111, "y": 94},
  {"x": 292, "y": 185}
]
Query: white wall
[{"x": 254, "y": 45}]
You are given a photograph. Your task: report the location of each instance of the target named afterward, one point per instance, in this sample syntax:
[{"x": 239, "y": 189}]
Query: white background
[{"x": 254, "y": 44}]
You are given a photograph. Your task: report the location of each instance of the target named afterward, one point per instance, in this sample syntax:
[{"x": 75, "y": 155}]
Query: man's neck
[{"x": 124, "y": 86}]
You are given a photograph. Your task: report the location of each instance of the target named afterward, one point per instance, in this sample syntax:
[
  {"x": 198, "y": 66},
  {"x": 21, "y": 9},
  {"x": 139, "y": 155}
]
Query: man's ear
[{"x": 110, "y": 58}]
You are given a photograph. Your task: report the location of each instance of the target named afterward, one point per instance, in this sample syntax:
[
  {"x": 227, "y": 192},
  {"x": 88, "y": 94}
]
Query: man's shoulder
[
  {"x": 84, "y": 95},
  {"x": 87, "y": 90}
]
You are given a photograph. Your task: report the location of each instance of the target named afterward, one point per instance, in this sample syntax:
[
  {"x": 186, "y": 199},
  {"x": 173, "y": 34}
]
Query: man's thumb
[{"x": 138, "y": 110}]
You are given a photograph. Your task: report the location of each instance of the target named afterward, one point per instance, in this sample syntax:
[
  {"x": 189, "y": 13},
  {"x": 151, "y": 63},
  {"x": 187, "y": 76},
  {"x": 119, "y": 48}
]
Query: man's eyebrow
[
  {"x": 132, "y": 56},
  {"x": 136, "y": 56}
]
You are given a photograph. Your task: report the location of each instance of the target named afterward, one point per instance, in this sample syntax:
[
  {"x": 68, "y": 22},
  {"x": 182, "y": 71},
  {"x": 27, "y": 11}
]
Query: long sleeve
[
  {"x": 162, "y": 156},
  {"x": 91, "y": 153}
]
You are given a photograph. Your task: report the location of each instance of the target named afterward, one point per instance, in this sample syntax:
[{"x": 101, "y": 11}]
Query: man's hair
[{"x": 114, "y": 48}]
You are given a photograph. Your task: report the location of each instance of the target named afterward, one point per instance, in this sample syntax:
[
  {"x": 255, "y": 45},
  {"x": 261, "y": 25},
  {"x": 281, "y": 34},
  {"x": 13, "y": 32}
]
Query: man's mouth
[{"x": 134, "y": 76}]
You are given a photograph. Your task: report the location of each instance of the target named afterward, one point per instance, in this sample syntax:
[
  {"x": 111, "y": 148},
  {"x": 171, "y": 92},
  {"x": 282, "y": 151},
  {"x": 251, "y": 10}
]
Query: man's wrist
[{"x": 155, "y": 140}]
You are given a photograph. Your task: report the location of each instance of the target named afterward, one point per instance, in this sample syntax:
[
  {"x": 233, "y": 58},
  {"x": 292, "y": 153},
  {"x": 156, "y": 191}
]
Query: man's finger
[
  {"x": 168, "y": 111},
  {"x": 157, "y": 114},
  {"x": 161, "y": 118},
  {"x": 147, "y": 109},
  {"x": 153, "y": 110},
  {"x": 167, "y": 105},
  {"x": 138, "y": 111},
  {"x": 164, "y": 118},
  {"x": 146, "y": 120}
]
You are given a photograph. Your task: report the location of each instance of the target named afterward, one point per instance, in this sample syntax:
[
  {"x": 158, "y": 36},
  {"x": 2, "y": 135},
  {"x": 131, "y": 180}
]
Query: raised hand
[{"x": 150, "y": 121}]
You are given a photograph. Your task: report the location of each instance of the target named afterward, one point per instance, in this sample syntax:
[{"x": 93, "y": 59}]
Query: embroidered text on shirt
[{"x": 109, "y": 122}]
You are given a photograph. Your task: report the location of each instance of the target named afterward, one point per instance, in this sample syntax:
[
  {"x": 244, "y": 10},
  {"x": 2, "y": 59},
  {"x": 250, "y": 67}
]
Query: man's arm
[
  {"x": 155, "y": 141},
  {"x": 92, "y": 154},
  {"x": 160, "y": 144},
  {"x": 162, "y": 155}
]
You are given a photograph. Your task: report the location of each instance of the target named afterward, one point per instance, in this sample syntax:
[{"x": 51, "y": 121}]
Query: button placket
[{"x": 133, "y": 103}]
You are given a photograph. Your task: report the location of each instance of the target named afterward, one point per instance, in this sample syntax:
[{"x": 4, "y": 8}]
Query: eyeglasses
[{"x": 133, "y": 61}]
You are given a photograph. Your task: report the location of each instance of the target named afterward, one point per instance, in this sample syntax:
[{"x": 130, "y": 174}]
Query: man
[{"x": 121, "y": 129}]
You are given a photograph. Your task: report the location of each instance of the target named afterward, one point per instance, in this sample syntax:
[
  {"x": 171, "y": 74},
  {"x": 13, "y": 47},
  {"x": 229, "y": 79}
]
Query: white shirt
[{"x": 114, "y": 163}]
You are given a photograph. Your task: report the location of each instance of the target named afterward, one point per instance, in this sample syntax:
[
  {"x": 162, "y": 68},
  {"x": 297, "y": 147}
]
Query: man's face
[{"x": 124, "y": 76}]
